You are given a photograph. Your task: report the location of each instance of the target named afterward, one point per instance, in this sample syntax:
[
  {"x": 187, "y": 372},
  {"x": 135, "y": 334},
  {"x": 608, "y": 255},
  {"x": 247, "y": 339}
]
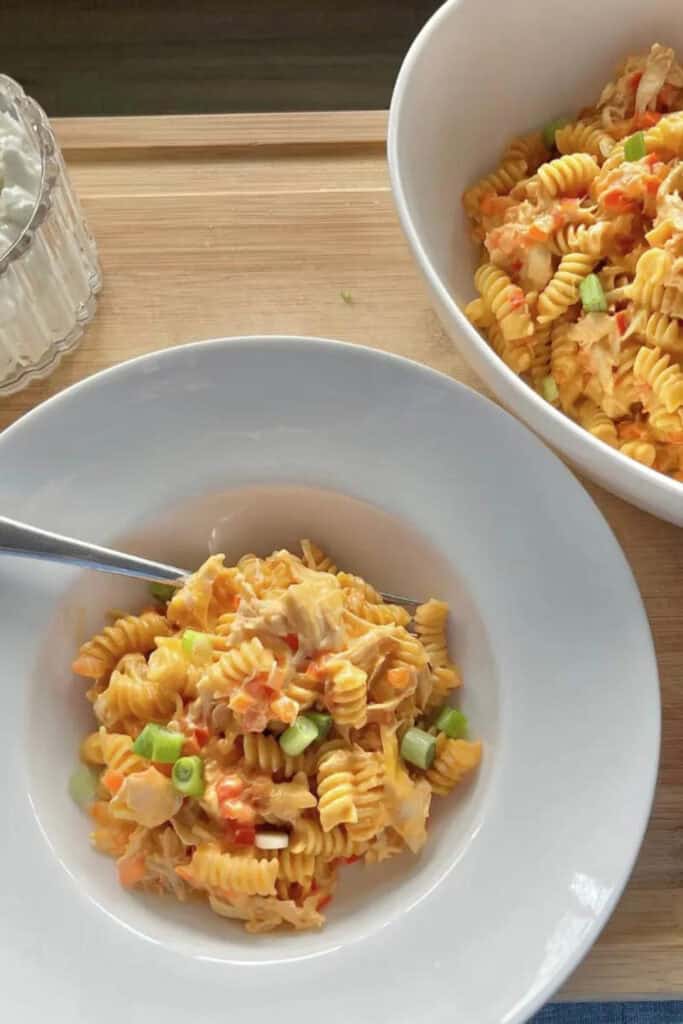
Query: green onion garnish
[
  {"x": 159, "y": 744},
  {"x": 550, "y": 128},
  {"x": 634, "y": 147},
  {"x": 197, "y": 644},
  {"x": 549, "y": 389},
  {"x": 83, "y": 785},
  {"x": 298, "y": 736},
  {"x": 452, "y": 722},
  {"x": 418, "y": 747},
  {"x": 592, "y": 296},
  {"x": 321, "y": 721},
  {"x": 163, "y": 592},
  {"x": 188, "y": 775}
]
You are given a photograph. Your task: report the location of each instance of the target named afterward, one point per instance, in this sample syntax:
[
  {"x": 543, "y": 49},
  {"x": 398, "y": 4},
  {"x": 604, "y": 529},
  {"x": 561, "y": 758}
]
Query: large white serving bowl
[
  {"x": 426, "y": 488},
  {"x": 478, "y": 73}
]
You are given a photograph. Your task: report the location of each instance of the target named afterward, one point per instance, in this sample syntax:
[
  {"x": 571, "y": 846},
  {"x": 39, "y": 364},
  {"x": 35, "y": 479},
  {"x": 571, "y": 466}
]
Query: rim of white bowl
[
  {"x": 579, "y": 443},
  {"x": 521, "y": 1013}
]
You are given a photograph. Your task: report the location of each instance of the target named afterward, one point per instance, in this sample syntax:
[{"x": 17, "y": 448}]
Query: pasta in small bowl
[{"x": 569, "y": 229}]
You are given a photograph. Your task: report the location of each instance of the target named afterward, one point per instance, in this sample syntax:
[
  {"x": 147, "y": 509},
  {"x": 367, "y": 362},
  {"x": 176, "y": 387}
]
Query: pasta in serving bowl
[
  {"x": 270, "y": 722},
  {"x": 581, "y": 282},
  {"x": 555, "y": 219}
]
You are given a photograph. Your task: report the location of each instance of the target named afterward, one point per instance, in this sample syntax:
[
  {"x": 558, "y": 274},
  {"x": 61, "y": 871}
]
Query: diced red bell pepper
[
  {"x": 292, "y": 641},
  {"x": 201, "y": 734}
]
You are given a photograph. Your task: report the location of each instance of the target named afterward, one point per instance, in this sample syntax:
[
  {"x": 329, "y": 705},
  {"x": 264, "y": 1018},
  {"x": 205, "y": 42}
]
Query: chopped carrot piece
[
  {"x": 112, "y": 780},
  {"x": 517, "y": 299},
  {"x": 399, "y": 678},
  {"x": 241, "y": 702},
  {"x": 631, "y": 430},
  {"x": 536, "y": 234},
  {"x": 89, "y": 666},
  {"x": 131, "y": 870},
  {"x": 99, "y": 811},
  {"x": 646, "y": 119}
]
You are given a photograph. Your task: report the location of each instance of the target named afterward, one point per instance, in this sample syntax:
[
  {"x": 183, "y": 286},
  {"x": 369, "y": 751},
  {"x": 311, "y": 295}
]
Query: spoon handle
[{"x": 30, "y": 542}]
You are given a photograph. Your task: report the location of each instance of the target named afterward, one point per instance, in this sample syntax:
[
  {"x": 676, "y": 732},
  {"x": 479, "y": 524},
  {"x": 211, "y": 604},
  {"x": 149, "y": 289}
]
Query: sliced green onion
[
  {"x": 418, "y": 747},
  {"x": 188, "y": 775},
  {"x": 321, "y": 721},
  {"x": 198, "y": 645},
  {"x": 592, "y": 296},
  {"x": 550, "y": 128},
  {"x": 83, "y": 785},
  {"x": 452, "y": 722},
  {"x": 549, "y": 389},
  {"x": 162, "y": 591},
  {"x": 159, "y": 744},
  {"x": 347, "y": 297},
  {"x": 634, "y": 147},
  {"x": 298, "y": 736}
]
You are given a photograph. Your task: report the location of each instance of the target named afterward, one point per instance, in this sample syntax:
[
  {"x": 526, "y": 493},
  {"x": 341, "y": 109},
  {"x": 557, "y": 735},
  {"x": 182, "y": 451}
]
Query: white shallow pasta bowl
[
  {"x": 478, "y": 74},
  {"x": 425, "y": 488}
]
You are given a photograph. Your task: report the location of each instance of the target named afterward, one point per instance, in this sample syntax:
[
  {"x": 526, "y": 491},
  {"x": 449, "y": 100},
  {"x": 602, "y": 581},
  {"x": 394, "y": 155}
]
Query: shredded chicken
[
  {"x": 657, "y": 68},
  {"x": 147, "y": 798}
]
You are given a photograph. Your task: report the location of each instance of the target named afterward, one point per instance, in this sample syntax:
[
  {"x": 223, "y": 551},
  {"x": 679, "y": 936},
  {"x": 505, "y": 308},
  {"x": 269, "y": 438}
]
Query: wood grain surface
[{"x": 257, "y": 224}]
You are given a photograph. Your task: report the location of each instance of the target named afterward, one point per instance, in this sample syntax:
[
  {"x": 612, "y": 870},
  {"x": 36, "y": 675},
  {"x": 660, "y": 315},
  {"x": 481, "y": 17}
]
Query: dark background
[{"x": 170, "y": 57}]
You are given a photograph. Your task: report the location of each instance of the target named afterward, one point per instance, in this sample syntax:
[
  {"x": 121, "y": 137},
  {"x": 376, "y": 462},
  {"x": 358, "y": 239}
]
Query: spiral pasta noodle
[
  {"x": 308, "y": 837},
  {"x": 264, "y": 753},
  {"x": 211, "y": 869},
  {"x": 506, "y": 302},
  {"x": 336, "y": 805},
  {"x": 582, "y": 137},
  {"x": 563, "y": 290},
  {"x": 346, "y": 693},
  {"x": 568, "y": 174},
  {"x": 131, "y": 694},
  {"x": 249, "y": 760},
  {"x": 132, "y": 634},
  {"x": 665, "y": 380},
  {"x": 582, "y": 262},
  {"x": 454, "y": 761},
  {"x": 499, "y": 182}
]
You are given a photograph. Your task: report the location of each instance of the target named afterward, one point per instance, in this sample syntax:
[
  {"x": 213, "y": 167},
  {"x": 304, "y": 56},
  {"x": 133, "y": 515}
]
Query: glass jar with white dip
[{"x": 49, "y": 273}]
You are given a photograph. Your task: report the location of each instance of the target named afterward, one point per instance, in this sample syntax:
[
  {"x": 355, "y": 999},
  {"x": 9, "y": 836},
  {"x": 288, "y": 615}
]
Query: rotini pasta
[
  {"x": 257, "y": 736},
  {"x": 588, "y": 243},
  {"x": 133, "y": 634}
]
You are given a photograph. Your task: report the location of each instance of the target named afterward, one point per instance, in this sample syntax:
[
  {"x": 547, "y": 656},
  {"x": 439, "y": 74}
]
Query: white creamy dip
[{"x": 20, "y": 171}]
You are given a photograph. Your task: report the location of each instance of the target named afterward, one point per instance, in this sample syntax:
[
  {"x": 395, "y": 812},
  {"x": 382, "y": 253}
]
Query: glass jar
[{"x": 49, "y": 272}]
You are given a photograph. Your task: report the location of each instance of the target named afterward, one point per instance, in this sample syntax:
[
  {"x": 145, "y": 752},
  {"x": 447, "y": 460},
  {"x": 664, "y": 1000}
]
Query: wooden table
[{"x": 284, "y": 223}]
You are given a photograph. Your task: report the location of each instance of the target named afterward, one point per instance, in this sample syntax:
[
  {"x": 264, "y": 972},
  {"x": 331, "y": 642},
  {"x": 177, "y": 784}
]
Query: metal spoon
[{"x": 30, "y": 542}]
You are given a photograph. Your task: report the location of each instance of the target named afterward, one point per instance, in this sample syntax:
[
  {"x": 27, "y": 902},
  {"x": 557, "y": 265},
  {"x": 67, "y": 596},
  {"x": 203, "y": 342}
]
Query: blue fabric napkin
[{"x": 611, "y": 1013}]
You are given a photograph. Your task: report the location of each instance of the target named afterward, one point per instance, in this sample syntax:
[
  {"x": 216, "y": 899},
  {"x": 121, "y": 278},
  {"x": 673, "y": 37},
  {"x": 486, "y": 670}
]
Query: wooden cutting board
[{"x": 284, "y": 223}]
